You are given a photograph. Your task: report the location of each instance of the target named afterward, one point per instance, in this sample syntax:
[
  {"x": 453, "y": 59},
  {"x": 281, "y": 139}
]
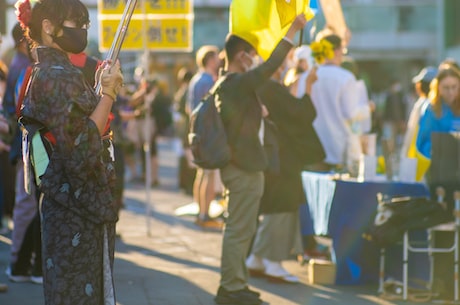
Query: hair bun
[{"x": 23, "y": 12}]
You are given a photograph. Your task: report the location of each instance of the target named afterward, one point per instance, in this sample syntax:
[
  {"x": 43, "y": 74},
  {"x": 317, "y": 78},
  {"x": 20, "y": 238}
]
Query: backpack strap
[{"x": 219, "y": 82}]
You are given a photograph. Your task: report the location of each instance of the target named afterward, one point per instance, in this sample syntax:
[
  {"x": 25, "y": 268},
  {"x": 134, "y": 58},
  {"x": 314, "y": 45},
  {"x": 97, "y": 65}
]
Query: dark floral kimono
[{"x": 78, "y": 216}]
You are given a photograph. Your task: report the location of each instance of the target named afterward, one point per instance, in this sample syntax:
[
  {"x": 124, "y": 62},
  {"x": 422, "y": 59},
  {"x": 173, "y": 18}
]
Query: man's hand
[{"x": 299, "y": 23}]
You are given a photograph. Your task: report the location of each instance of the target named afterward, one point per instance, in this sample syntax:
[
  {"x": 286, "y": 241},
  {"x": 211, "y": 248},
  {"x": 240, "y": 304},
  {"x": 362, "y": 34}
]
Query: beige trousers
[{"x": 244, "y": 190}]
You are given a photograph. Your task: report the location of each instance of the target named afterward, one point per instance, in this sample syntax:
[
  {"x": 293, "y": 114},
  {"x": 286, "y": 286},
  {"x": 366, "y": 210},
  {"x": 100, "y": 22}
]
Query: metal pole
[
  {"x": 405, "y": 264},
  {"x": 382, "y": 271},
  {"x": 147, "y": 125},
  {"x": 120, "y": 35}
]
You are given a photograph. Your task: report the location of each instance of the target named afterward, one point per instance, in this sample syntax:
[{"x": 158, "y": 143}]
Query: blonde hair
[
  {"x": 434, "y": 96},
  {"x": 204, "y": 54}
]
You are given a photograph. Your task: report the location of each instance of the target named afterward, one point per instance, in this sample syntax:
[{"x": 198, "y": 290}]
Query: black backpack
[
  {"x": 396, "y": 215},
  {"x": 207, "y": 136}
]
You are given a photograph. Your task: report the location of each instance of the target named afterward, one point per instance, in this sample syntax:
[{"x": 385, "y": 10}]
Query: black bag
[
  {"x": 445, "y": 159},
  {"x": 161, "y": 112},
  {"x": 399, "y": 214},
  {"x": 207, "y": 136}
]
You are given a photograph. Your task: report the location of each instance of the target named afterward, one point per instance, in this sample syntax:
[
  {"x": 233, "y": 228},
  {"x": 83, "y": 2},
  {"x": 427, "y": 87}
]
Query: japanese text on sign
[
  {"x": 163, "y": 7},
  {"x": 161, "y": 34},
  {"x": 162, "y": 25}
]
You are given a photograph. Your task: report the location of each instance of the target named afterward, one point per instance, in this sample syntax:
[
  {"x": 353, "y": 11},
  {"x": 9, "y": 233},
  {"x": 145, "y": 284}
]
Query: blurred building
[{"x": 390, "y": 38}]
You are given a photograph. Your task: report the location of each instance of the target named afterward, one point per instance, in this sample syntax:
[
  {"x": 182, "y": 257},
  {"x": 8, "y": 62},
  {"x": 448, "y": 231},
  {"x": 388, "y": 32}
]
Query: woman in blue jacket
[{"x": 443, "y": 112}]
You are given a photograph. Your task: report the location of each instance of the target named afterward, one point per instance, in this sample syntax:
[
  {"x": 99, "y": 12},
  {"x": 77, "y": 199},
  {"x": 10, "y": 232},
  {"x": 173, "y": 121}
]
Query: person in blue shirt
[
  {"x": 204, "y": 186},
  {"x": 208, "y": 62},
  {"x": 443, "y": 112}
]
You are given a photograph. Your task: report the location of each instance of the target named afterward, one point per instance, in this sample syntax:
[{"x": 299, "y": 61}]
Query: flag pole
[
  {"x": 120, "y": 35},
  {"x": 301, "y": 37}
]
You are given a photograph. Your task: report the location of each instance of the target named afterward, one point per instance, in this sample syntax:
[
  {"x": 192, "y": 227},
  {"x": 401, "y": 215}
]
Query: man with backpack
[
  {"x": 208, "y": 63},
  {"x": 243, "y": 177}
]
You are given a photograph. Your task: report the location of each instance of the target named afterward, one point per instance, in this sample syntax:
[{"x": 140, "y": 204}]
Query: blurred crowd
[{"x": 322, "y": 113}]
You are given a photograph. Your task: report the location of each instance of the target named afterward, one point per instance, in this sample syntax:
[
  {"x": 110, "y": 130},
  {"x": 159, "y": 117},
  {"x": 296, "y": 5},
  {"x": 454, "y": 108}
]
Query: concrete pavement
[{"x": 167, "y": 260}]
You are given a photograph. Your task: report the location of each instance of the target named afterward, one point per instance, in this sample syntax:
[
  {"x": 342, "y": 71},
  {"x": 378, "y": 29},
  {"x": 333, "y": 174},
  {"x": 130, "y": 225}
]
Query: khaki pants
[{"x": 244, "y": 192}]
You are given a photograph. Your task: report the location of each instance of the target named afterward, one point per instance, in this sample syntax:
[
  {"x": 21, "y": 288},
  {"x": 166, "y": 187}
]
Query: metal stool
[{"x": 430, "y": 249}]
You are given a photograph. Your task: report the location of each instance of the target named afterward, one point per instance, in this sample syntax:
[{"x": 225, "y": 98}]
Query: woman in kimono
[{"x": 78, "y": 214}]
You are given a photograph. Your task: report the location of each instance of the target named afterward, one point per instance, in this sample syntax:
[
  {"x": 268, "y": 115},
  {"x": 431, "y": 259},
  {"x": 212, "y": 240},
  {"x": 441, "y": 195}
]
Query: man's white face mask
[{"x": 256, "y": 61}]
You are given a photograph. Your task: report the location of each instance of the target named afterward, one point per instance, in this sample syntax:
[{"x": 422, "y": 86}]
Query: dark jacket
[
  {"x": 241, "y": 111},
  {"x": 283, "y": 192}
]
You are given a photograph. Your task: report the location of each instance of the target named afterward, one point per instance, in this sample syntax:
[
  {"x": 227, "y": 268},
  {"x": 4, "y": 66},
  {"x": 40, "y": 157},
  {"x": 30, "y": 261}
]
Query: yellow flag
[
  {"x": 423, "y": 164},
  {"x": 286, "y": 11},
  {"x": 263, "y": 23}
]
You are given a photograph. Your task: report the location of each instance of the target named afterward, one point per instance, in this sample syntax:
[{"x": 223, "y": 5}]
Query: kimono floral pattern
[{"x": 77, "y": 186}]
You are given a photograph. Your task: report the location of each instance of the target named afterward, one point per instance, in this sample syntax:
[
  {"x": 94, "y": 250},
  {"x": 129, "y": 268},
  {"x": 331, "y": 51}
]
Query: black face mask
[{"x": 73, "y": 40}]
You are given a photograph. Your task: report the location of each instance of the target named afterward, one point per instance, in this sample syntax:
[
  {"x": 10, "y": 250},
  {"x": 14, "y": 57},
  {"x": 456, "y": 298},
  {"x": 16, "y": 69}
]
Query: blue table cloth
[{"x": 342, "y": 210}]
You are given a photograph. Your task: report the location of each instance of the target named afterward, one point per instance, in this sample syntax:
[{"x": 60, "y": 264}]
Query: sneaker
[
  {"x": 20, "y": 278},
  {"x": 274, "y": 268},
  {"x": 3, "y": 287},
  {"x": 238, "y": 297},
  {"x": 17, "y": 278},
  {"x": 37, "y": 280},
  {"x": 255, "y": 265},
  {"x": 275, "y": 272},
  {"x": 209, "y": 223}
]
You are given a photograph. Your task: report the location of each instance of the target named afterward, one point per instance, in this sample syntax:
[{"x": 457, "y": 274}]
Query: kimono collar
[{"x": 52, "y": 56}]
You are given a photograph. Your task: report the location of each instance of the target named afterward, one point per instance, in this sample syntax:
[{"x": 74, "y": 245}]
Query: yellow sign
[
  {"x": 169, "y": 34},
  {"x": 163, "y": 7}
]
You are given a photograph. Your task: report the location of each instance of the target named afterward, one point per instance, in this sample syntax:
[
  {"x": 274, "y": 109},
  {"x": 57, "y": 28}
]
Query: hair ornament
[
  {"x": 24, "y": 11},
  {"x": 322, "y": 50}
]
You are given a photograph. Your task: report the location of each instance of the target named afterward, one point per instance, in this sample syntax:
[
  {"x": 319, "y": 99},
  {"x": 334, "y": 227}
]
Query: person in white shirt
[
  {"x": 335, "y": 100},
  {"x": 361, "y": 124},
  {"x": 422, "y": 87}
]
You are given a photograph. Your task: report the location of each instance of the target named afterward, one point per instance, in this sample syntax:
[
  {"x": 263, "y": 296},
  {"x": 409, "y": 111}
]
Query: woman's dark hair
[
  {"x": 235, "y": 44},
  {"x": 335, "y": 40},
  {"x": 56, "y": 11}
]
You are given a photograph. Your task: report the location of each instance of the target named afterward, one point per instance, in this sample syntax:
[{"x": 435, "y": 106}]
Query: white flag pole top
[{"x": 120, "y": 35}]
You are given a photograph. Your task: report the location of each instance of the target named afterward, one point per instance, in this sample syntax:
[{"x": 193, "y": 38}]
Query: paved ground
[{"x": 167, "y": 260}]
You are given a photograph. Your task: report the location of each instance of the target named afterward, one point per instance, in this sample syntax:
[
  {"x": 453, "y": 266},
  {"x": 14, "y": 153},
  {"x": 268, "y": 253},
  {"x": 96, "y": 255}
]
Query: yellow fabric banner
[{"x": 263, "y": 23}]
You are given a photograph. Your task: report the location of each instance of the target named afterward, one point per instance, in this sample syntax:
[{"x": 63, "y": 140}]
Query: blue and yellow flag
[
  {"x": 423, "y": 162},
  {"x": 263, "y": 23}
]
